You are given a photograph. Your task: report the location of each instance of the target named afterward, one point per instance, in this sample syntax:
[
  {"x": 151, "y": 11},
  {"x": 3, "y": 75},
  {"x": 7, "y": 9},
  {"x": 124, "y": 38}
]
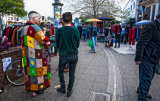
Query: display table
[{"x": 15, "y": 54}]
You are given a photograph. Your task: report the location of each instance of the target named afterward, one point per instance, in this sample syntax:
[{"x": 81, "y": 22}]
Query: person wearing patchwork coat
[{"x": 34, "y": 61}]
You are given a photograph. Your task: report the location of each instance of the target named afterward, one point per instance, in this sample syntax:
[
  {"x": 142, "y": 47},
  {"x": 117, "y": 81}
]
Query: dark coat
[
  {"x": 118, "y": 28},
  {"x": 148, "y": 46},
  {"x": 127, "y": 29},
  {"x": 94, "y": 33}
]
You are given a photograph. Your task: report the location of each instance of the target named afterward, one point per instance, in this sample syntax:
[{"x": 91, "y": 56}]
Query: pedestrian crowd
[{"x": 39, "y": 41}]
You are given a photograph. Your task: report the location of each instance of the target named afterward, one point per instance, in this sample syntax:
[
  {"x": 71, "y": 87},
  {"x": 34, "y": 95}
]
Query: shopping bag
[
  {"x": 158, "y": 69},
  {"x": 90, "y": 43}
]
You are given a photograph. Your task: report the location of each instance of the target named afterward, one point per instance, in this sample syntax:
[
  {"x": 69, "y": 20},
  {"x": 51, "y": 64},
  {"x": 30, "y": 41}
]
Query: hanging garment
[
  {"x": 18, "y": 36},
  {"x": 4, "y": 31},
  {"x": 34, "y": 60},
  {"x": 131, "y": 36},
  {"x": 13, "y": 40},
  {"x": 7, "y": 32}
]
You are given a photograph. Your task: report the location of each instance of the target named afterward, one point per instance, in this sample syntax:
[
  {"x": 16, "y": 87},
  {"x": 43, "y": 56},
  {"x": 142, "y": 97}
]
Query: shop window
[
  {"x": 134, "y": 5},
  {"x": 147, "y": 13}
]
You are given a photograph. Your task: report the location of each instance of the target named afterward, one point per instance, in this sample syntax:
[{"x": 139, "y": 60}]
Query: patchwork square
[
  {"x": 42, "y": 46},
  {"x": 31, "y": 52},
  {"x": 40, "y": 71},
  {"x": 45, "y": 70},
  {"x": 26, "y": 47},
  {"x": 43, "y": 53},
  {"x": 38, "y": 53},
  {"x": 46, "y": 83},
  {"x": 38, "y": 38},
  {"x": 48, "y": 61},
  {"x": 24, "y": 61},
  {"x": 26, "y": 86},
  {"x": 41, "y": 86},
  {"x": 39, "y": 63},
  {"x": 34, "y": 87},
  {"x": 29, "y": 80},
  {"x": 44, "y": 62},
  {"x": 33, "y": 71},
  {"x": 36, "y": 44},
  {"x": 30, "y": 41},
  {"x": 49, "y": 75},
  {"x": 31, "y": 31},
  {"x": 26, "y": 78},
  {"x": 28, "y": 71},
  {"x": 23, "y": 52},
  {"x": 33, "y": 80},
  {"x": 49, "y": 81},
  {"x": 27, "y": 62},
  {"x": 22, "y": 41},
  {"x": 40, "y": 80},
  {"x": 49, "y": 68},
  {"x": 45, "y": 78},
  {"x": 25, "y": 40},
  {"x": 32, "y": 62},
  {"x": 25, "y": 30},
  {"x": 25, "y": 70}
]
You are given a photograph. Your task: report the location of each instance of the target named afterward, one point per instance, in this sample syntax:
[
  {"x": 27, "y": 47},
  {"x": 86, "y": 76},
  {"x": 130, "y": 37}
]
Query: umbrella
[
  {"x": 143, "y": 22},
  {"x": 94, "y": 20},
  {"x": 86, "y": 20},
  {"x": 104, "y": 18}
]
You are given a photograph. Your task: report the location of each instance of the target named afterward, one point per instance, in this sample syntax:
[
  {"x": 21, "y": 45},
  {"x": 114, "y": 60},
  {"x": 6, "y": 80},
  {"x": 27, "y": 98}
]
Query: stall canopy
[
  {"x": 104, "y": 18},
  {"x": 94, "y": 20},
  {"x": 86, "y": 20},
  {"x": 143, "y": 22}
]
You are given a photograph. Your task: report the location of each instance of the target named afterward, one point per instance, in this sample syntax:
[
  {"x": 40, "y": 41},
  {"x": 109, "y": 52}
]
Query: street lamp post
[{"x": 57, "y": 6}]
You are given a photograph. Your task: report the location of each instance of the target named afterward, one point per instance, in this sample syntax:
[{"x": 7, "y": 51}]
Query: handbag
[
  {"x": 90, "y": 43},
  {"x": 157, "y": 71}
]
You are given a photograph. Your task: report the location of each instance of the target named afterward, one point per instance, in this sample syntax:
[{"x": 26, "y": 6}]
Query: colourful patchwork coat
[{"x": 34, "y": 61}]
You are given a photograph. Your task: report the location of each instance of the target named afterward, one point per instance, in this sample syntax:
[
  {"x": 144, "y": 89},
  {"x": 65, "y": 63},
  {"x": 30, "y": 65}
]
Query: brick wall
[{"x": 15, "y": 54}]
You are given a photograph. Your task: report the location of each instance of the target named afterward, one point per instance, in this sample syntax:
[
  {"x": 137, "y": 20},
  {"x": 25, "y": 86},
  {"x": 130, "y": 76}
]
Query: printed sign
[{"x": 6, "y": 62}]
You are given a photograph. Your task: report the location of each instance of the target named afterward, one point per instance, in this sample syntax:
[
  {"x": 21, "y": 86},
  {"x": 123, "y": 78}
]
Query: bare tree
[{"x": 95, "y": 8}]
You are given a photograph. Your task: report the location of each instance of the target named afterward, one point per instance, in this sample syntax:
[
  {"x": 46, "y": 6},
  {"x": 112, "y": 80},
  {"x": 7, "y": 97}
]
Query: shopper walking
[
  {"x": 118, "y": 34},
  {"x": 127, "y": 28},
  {"x": 94, "y": 32},
  {"x": 147, "y": 56},
  {"x": 68, "y": 40},
  {"x": 84, "y": 32}
]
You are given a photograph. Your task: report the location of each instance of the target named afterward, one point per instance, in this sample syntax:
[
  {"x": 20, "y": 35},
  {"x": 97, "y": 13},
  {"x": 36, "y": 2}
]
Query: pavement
[{"x": 107, "y": 75}]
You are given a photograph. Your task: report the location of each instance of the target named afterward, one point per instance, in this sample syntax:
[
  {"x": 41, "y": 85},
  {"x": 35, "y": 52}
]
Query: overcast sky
[{"x": 44, "y": 7}]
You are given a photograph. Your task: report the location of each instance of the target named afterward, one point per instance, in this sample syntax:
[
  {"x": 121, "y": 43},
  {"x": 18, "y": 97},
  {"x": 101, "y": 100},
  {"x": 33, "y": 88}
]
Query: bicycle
[{"x": 18, "y": 78}]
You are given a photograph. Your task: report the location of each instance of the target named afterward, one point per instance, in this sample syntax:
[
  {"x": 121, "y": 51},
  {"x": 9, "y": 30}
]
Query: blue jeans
[
  {"x": 84, "y": 36},
  {"x": 95, "y": 39},
  {"x": 146, "y": 74},
  {"x": 72, "y": 60},
  {"x": 118, "y": 39},
  {"x": 93, "y": 47}
]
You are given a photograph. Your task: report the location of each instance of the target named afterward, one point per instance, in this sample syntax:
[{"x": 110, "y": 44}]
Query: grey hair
[
  {"x": 33, "y": 14},
  {"x": 158, "y": 15}
]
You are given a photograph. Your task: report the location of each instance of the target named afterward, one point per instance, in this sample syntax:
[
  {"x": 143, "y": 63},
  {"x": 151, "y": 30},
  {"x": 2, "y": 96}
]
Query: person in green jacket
[{"x": 68, "y": 41}]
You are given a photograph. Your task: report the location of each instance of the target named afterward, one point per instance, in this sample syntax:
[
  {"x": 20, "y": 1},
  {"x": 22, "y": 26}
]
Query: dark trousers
[
  {"x": 146, "y": 74},
  {"x": 72, "y": 60},
  {"x": 118, "y": 39}
]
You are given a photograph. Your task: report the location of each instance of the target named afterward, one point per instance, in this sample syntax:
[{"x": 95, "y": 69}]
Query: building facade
[
  {"x": 130, "y": 10},
  {"x": 152, "y": 7}
]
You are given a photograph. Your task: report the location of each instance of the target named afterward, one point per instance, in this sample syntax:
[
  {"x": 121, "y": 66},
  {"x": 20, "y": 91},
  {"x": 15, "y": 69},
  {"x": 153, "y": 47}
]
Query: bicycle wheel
[{"x": 15, "y": 73}]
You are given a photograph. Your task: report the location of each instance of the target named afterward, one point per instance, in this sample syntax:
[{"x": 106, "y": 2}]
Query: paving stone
[{"x": 100, "y": 87}]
